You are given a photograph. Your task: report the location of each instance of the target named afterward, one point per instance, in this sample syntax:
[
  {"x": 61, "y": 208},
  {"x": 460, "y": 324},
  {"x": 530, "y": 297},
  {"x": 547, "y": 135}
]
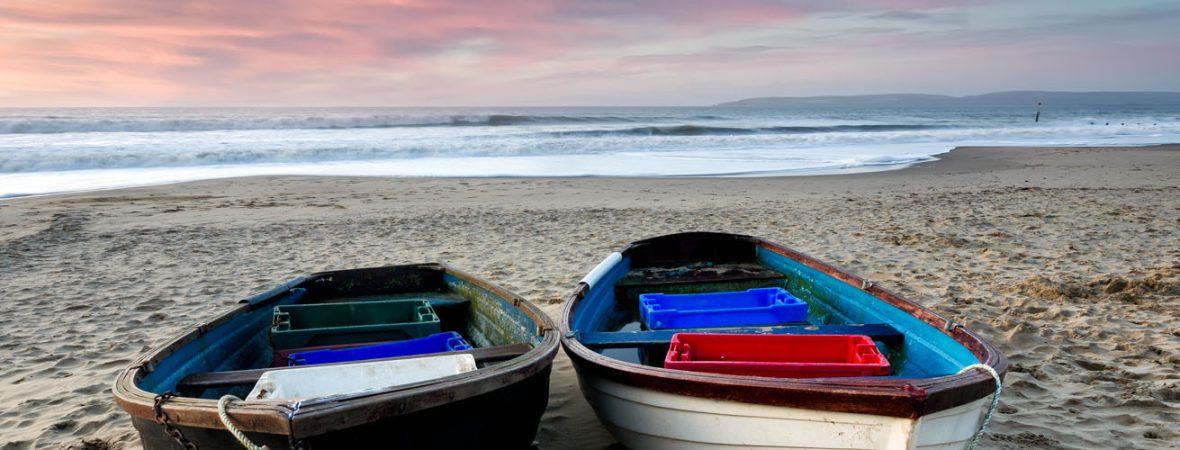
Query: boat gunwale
[
  {"x": 896, "y": 397},
  {"x": 304, "y": 419}
]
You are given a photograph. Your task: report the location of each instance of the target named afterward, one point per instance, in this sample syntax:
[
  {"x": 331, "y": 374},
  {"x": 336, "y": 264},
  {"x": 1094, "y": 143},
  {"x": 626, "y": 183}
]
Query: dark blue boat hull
[{"x": 506, "y": 418}]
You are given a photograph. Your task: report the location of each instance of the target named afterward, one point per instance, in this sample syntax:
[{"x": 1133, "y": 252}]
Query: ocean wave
[
  {"x": 51, "y": 124},
  {"x": 212, "y": 139},
  {"x": 701, "y": 130},
  {"x": 43, "y": 153},
  {"x": 190, "y": 151},
  {"x": 99, "y": 158}
]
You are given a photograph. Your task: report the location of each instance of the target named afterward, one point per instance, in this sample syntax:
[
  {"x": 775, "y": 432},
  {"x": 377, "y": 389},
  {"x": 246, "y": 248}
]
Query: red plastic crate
[{"x": 777, "y": 355}]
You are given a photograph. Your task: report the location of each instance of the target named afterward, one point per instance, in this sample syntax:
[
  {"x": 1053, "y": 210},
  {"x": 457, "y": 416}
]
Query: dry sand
[{"x": 1067, "y": 258}]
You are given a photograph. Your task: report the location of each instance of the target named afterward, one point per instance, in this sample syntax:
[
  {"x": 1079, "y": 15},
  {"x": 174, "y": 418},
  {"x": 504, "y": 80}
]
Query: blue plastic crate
[
  {"x": 762, "y": 306},
  {"x": 435, "y": 343}
]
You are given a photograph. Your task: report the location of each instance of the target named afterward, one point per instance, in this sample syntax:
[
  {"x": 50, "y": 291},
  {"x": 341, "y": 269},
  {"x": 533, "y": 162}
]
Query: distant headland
[{"x": 1008, "y": 98}]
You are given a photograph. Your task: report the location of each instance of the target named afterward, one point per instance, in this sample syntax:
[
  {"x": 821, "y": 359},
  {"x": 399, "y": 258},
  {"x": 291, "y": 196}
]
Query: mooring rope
[
  {"x": 995, "y": 401},
  {"x": 221, "y": 404}
]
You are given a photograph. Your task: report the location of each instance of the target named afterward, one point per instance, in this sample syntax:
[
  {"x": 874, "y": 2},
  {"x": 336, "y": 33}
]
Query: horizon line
[{"x": 710, "y": 105}]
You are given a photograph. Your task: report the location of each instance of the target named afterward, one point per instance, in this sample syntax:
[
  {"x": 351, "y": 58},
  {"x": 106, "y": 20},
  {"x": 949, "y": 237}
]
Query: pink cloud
[
  {"x": 73, "y": 52},
  {"x": 47, "y": 44}
]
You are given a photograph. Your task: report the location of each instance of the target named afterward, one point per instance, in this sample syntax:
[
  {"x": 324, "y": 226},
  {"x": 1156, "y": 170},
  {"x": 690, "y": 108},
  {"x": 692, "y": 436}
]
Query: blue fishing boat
[{"x": 186, "y": 393}]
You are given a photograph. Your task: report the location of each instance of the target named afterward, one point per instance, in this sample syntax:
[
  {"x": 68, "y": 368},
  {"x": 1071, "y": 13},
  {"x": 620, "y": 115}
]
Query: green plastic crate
[{"x": 296, "y": 326}]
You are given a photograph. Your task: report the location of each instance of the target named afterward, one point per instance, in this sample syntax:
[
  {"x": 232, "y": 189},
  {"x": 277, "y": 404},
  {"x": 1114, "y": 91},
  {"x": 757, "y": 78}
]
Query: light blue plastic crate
[{"x": 761, "y": 306}]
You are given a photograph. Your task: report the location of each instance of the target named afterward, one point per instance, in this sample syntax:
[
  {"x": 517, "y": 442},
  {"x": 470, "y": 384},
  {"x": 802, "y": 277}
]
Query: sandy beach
[{"x": 1067, "y": 258}]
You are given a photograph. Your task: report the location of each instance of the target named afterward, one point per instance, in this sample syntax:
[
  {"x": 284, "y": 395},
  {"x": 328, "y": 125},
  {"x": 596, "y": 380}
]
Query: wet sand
[{"x": 1067, "y": 258}]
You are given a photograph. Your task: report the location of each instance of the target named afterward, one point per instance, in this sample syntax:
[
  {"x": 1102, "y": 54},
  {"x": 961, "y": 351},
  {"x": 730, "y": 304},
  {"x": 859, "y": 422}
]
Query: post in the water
[{"x": 1038, "y": 117}]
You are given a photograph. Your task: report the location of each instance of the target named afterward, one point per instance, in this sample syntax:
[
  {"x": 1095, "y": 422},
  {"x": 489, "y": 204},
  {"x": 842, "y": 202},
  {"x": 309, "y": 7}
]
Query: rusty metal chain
[{"x": 162, "y": 419}]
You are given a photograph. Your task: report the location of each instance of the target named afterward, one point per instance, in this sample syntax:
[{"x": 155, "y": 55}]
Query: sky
[{"x": 570, "y": 52}]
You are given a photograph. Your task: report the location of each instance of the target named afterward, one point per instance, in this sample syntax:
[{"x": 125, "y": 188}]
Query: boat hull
[
  {"x": 653, "y": 420},
  {"x": 496, "y": 406},
  {"x": 931, "y": 399},
  {"x": 505, "y": 418}
]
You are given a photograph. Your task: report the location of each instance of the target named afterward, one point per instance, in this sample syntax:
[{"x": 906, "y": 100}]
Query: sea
[{"x": 55, "y": 150}]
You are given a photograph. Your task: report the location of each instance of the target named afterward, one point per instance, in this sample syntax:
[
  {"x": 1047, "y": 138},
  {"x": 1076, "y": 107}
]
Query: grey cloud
[{"x": 902, "y": 15}]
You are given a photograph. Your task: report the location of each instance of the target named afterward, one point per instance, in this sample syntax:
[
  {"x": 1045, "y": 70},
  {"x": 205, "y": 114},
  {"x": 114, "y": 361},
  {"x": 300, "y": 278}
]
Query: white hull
[{"x": 643, "y": 420}]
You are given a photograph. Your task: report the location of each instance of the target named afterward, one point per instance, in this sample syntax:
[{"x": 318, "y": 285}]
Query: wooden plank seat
[
  {"x": 248, "y": 377},
  {"x": 697, "y": 278},
  {"x": 720, "y": 273},
  {"x": 613, "y": 339},
  {"x": 649, "y": 276}
]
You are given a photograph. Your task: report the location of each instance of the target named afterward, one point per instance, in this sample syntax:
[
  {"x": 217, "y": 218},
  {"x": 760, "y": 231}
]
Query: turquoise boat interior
[
  {"x": 607, "y": 320},
  {"x": 239, "y": 340}
]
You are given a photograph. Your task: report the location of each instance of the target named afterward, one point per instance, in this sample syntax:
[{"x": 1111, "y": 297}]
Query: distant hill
[{"x": 1011, "y": 98}]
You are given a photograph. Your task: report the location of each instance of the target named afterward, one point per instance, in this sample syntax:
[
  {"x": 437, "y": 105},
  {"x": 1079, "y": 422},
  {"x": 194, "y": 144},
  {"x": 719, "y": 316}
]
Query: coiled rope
[
  {"x": 221, "y": 404},
  {"x": 995, "y": 401}
]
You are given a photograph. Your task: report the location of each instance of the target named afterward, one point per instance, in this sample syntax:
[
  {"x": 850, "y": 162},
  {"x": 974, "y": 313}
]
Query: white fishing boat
[{"x": 941, "y": 382}]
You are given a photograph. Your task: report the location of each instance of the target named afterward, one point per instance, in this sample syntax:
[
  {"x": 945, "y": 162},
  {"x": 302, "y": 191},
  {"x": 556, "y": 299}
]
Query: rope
[
  {"x": 221, "y": 404},
  {"x": 995, "y": 401}
]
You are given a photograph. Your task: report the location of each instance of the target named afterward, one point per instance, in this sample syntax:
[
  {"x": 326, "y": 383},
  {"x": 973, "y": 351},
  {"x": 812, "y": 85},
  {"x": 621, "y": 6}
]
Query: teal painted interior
[
  {"x": 492, "y": 320},
  {"x": 243, "y": 342},
  {"x": 928, "y": 352},
  {"x": 594, "y": 309},
  {"x": 240, "y": 343}
]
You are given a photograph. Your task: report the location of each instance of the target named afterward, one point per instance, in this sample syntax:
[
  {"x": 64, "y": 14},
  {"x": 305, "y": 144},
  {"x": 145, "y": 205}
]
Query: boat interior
[
  {"x": 607, "y": 319},
  {"x": 228, "y": 355}
]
